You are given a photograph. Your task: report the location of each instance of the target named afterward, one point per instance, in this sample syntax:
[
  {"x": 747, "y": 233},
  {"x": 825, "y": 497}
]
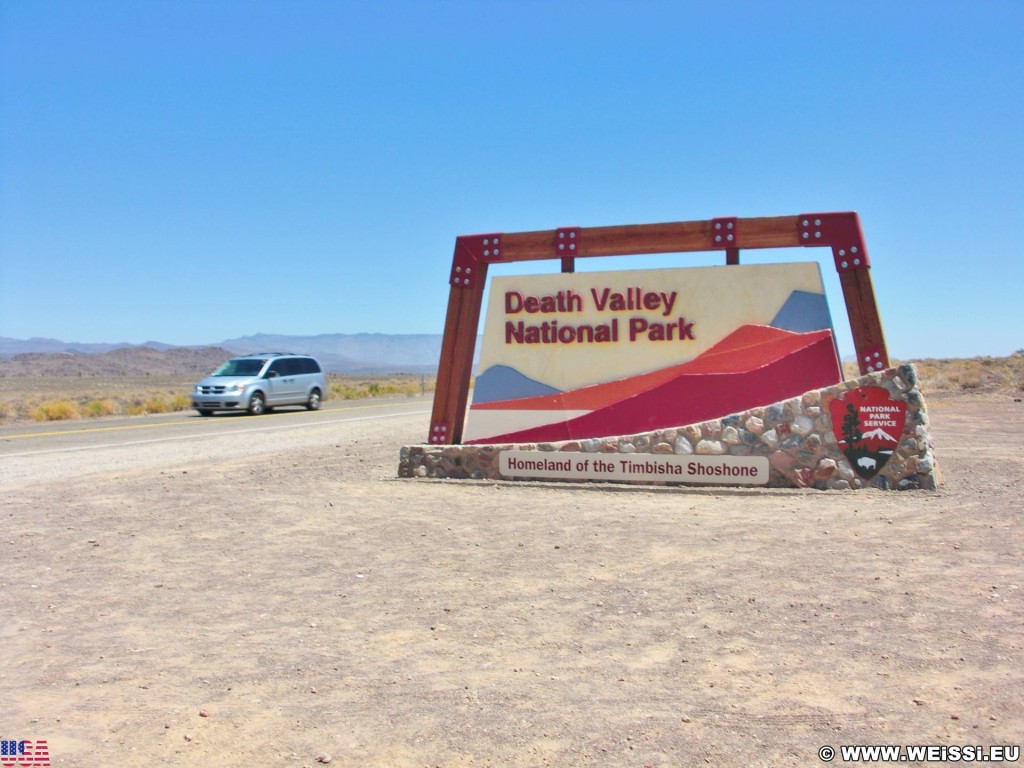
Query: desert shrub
[
  {"x": 89, "y": 397},
  {"x": 135, "y": 406},
  {"x": 975, "y": 374},
  {"x": 181, "y": 403},
  {"x": 342, "y": 387},
  {"x": 54, "y": 410},
  {"x": 155, "y": 404},
  {"x": 937, "y": 383},
  {"x": 979, "y": 374},
  {"x": 94, "y": 409}
]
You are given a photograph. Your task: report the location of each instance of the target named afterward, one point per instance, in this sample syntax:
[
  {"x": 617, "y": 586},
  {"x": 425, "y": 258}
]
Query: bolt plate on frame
[
  {"x": 723, "y": 232},
  {"x": 872, "y": 359},
  {"x": 470, "y": 250},
  {"x": 842, "y": 232},
  {"x": 439, "y": 433},
  {"x": 567, "y": 242}
]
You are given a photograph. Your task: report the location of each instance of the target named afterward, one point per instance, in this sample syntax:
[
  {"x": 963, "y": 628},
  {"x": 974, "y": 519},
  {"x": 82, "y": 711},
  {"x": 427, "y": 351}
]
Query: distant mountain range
[{"x": 337, "y": 352}]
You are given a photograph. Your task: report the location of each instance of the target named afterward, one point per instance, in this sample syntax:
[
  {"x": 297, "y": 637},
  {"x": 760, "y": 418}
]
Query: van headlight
[{"x": 234, "y": 387}]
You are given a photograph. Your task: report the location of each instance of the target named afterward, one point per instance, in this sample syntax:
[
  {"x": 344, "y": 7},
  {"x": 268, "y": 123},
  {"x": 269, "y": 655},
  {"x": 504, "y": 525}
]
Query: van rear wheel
[
  {"x": 313, "y": 403},
  {"x": 257, "y": 404}
]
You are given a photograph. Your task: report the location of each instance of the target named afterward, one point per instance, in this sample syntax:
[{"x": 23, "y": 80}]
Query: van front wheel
[
  {"x": 257, "y": 404},
  {"x": 313, "y": 403}
]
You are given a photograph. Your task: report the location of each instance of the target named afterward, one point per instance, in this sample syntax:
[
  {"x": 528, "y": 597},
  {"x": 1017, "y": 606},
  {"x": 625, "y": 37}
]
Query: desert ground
[{"x": 315, "y": 609}]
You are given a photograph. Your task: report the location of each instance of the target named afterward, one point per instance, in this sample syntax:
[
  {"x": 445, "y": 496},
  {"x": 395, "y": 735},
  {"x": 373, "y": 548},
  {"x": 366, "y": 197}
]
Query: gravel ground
[{"x": 167, "y": 609}]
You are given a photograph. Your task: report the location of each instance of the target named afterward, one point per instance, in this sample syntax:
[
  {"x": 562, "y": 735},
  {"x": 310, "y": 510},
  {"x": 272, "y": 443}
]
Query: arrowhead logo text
[{"x": 868, "y": 423}]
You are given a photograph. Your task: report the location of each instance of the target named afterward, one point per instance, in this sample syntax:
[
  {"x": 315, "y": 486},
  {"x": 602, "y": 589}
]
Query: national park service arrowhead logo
[{"x": 868, "y": 423}]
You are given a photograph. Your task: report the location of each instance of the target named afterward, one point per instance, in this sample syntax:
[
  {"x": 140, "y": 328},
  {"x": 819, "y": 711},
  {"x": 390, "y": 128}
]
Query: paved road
[{"x": 40, "y": 452}]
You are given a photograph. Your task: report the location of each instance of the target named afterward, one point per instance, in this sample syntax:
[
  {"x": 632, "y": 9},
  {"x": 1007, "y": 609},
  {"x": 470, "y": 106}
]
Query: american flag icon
[{"x": 26, "y": 753}]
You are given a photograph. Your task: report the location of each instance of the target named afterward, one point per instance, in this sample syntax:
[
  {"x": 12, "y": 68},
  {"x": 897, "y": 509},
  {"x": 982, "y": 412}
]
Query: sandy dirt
[{"x": 319, "y": 610}]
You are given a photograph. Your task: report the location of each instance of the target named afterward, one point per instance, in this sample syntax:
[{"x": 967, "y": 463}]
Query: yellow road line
[
  {"x": 92, "y": 429},
  {"x": 162, "y": 424}
]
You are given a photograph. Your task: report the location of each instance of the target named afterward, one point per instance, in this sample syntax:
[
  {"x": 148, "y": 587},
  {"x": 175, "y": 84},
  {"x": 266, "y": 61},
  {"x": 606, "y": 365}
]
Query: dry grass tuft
[
  {"x": 95, "y": 409},
  {"x": 347, "y": 387},
  {"x": 975, "y": 374},
  {"x": 51, "y": 398},
  {"x": 54, "y": 410}
]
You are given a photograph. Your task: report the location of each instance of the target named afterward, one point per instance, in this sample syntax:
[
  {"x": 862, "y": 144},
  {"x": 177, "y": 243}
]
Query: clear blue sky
[{"x": 189, "y": 171}]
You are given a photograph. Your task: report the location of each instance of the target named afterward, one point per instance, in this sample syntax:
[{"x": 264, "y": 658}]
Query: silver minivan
[{"x": 256, "y": 383}]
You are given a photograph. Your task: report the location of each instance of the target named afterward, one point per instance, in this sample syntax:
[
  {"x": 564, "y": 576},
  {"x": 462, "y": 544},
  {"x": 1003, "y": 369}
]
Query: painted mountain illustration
[
  {"x": 754, "y": 365},
  {"x": 879, "y": 435},
  {"x": 503, "y": 382}
]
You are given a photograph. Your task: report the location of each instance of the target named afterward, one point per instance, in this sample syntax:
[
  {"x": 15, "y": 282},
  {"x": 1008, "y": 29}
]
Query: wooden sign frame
[{"x": 475, "y": 253}]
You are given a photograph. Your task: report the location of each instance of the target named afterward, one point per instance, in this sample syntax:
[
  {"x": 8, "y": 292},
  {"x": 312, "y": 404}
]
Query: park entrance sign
[
  {"x": 611, "y": 353},
  {"x": 722, "y": 374}
]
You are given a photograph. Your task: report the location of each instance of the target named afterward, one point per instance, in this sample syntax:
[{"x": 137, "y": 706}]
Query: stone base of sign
[{"x": 796, "y": 436}]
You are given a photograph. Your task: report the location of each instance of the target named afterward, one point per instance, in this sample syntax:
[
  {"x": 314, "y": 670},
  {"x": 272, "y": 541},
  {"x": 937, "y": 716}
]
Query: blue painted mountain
[
  {"x": 803, "y": 312},
  {"x": 502, "y": 382}
]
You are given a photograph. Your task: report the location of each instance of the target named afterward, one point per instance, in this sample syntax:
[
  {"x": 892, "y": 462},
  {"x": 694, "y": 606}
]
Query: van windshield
[{"x": 242, "y": 367}]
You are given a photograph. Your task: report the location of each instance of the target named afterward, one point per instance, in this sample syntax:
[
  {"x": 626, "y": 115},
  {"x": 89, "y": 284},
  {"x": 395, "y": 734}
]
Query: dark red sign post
[{"x": 474, "y": 253}]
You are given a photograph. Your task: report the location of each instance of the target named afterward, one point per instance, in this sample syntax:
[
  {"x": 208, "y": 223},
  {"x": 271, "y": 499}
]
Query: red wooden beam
[
  {"x": 473, "y": 253},
  {"x": 842, "y": 233}
]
